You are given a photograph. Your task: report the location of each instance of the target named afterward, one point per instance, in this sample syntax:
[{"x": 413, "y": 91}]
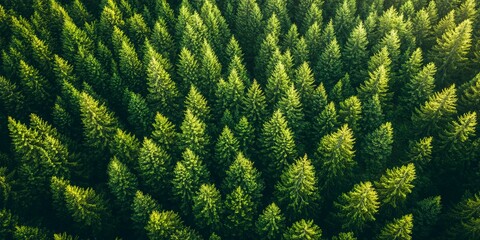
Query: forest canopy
[{"x": 239, "y": 119}]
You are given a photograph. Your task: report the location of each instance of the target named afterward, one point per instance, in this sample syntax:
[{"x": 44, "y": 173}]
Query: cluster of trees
[{"x": 239, "y": 119}]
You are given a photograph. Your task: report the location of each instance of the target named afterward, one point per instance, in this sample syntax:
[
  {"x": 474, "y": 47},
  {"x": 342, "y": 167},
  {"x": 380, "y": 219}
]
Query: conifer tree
[
  {"x": 254, "y": 105},
  {"x": 245, "y": 133},
  {"x": 436, "y": 111},
  {"x": 420, "y": 152},
  {"x": 239, "y": 214},
  {"x": 98, "y": 123},
  {"x": 312, "y": 38},
  {"x": 303, "y": 229},
  {"x": 470, "y": 94},
  {"x": 226, "y": 150},
  {"x": 11, "y": 98},
  {"x": 355, "y": 55},
  {"x": 398, "y": 229},
  {"x": 194, "y": 34},
  {"x": 198, "y": 104},
  {"x": 377, "y": 149},
  {"x": 297, "y": 189},
  {"x": 358, "y": 206},
  {"x": 279, "y": 8},
  {"x": 413, "y": 65},
  {"x": 329, "y": 68},
  {"x": 278, "y": 145},
  {"x": 208, "y": 208},
  {"x": 466, "y": 216},
  {"x": 189, "y": 174},
  {"x": 122, "y": 183},
  {"x": 130, "y": 66},
  {"x": 456, "y": 139},
  {"x": 270, "y": 223},
  {"x": 139, "y": 115},
  {"x": 372, "y": 114},
  {"x": 381, "y": 57},
  {"x": 325, "y": 122},
  {"x": 142, "y": 206},
  {"x": 162, "y": 225},
  {"x": 248, "y": 25},
  {"x": 154, "y": 168},
  {"x": 419, "y": 88},
  {"x": 243, "y": 173},
  {"x": 426, "y": 214},
  {"x": 345, "y": 19},
  {"x": 125, "y": 147},
  {"x": 164, "y": 133},
  {"x": 344, "y": 236},
  {"x": 335, "y": 156},
  {"x": 377, "y": 84},
  {"x": 219, "y": 32},
  {"x": 28, "y": 232},
  {"x": 162, "y": 40},
  {"x": 35, "y": 86},
  {"x": 210, "y": 72},
  {"x": 350, "y": 112},
  {"x": 451, "y": 50},
  {"x": 268, "y": 47},
  {"x": 342, "y": 89},
  {"x": 188, "y": 68},
  {"x": 193, "y": 135},
  {"x": 394, "y": 186},
  {"x": 277, "y": 84},
  {"x": 230, "y": 94},
  {"x": 291, "y": 107},
  {"x": 423, "y": 30},
  {"x": 291, "y": 38}
]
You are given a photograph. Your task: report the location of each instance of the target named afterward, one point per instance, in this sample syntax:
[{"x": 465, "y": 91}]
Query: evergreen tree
[
  {"x": 239, "y": 214},
  {"x": 344, "y": 236},
  {"x": 350, "y": 112},
  {"x": 457, "y": 136},
  {"x": 297, "y": 190},
  {"x": 142, "y": 206},
  {"x": 377, "y": 149},
  {"x": 247, "y": 26},
  {"x": 208, "y": 207},
  {"x": 470, "y": 91},
  {"x": 139, "y": 115},
  {"x": 254, "y": 105},
  {"x": 230, "y": 94},
  {"x": 291, "y": 107},
  {"x": 198, "y": 104},
  {"x": 398, "y": 229},
  {"x": 466, "y": 216},
  {"x": 162, "y": 40},
  {"x": 312, "y": 38},
  {"x": 325, "y": 122},
  {"x": 335, "y": 156},
  {"x": 122, "y": 183},
  {"x": 277, "y": 84},
  {"x": 377, "y": 84},
  {"x": 125, "y": 147},
  {"x": 188, "y": 68},
  {"x": 164, "y": 133},
  {"x": 413, "y": 65},
  {"x": 436, "y": 111},
  {"x": 358, "y": 206},
  {"x": 345, "y": 19},
  {"x": 303, "y": 229},
  {"x": 131, "y": 67},
  {"x": 226, "y": 150},
  {"x": 279, "y": 8},
  {"x": 329, "y": 68},
  {"x": 278, "y": 145},
  {"x": 420, "y": 152},
  {"x": 210, "y": 71},
  {"x": 245, "y": 133},
  {"x": 162, "y": 225},
  {"x": 270, "y": 223},
  {"x": 35, "y": 86},
  {"x": 419, "y": 88},
  {"x": 372, "y": 114},
  {"x": 27, "y": 232},
  {"x": 194, "y": 134},
  {"x": 162, "y": 91},
  {"x": 154, "y": 168},
  {"x": 355, "y": 55},
  {"x": 426, "y": 214},
  {"x": 189, "y": 174},
  {"x": 451, "y": 49},
  {"x": 396, "y": 184}
]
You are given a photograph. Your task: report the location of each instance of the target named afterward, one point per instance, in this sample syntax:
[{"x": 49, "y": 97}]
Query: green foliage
[
  {"x": 226, "y": 150},
  {"x": 377, "y": 149},
  {"x": 194, "y": 134},
  {"x": 208, "y": 207},
  {"x": 162, "y": 225},
  {"x": 154, "y": 168},
  {"x": 398, "y": 229},
  {"x": 162, "y": 91},
  {"x": 239, "y": 212},
  {"x": 426, "y": 214},
  {"x": 303, "y": 229},
  {"x": 297, "y": 189},
  {"x": 358, "y": 206},
  {"x": 396, "y": 184},
  {"x": 122, "y": 183},
  {"x": 270, "y": 223},
  {"x": 142, "y": 206},
  {"x": 164, "y": 133}
]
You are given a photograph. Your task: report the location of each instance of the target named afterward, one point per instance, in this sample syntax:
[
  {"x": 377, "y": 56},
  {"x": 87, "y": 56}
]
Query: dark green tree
[
  {"x": 377, "y": 148},
  {"x": 194, "y": 135},
  {"x": 398, "y": 229},
  {"x": 164, "y": 133},
  {"x": 270, "y": 223},
  {"x": 154, "y": 168},
  {"x": 208, "y": 208},
  {"x": 239, "y": 210},
  {"x": 355, "y": 54},
  {"x": 394, "y": 186},
  {"x": 303, "y": 229},
  {"x": 248, "y": 26},
  {"x": 329, "y": 68},
  {"x": 226, "y": 149},
  {"x": 162, "y": 225},
  {"x": 142, "y": 206}
]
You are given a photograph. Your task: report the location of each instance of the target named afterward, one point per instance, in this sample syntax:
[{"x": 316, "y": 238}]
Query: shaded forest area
[{"x": 239, "y": 119}]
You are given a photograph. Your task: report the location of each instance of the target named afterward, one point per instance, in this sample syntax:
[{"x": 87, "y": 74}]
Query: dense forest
[{"x": 239, "y": 119}]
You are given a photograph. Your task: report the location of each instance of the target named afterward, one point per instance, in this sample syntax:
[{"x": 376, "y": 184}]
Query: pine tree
[
  {"x": 239, "y": 214},
  {"x": 188, "y": 68},
  {"x": 139, "y": 115},
  {"x": 254, "y": 105},
  {"x": 377, "y": 149},
  {"x": 381, "y": 57},
  {"x": 278, "y": 145},
  {"x": 208, "y": 208},
  {"x": 451, "y": 50},
  {"x": 436, "y": 111},
  {"x": 345, "y": 20},
  {"x": 372, "y": 114},
  {"x": 194, "y": 134},
  {"x": 189, "y": 174},
  {"x": 358, "y": 206},
  {"x": 87, "y": 208},
  {"x": 164, "y": 133},
  {"x": 456, "y": 139},
  {"x": 335, "y": 156},
  {"x": 226, "y": 149},
  {"x": 470, "y": 95},
  {"x": 420, "y": 152},
  {"x": 329, "y": 68},
  {"x": 11, "y": 98},
  {"x": 247, "y": 26},
  {"x": 198, "y": 104},
  {"x": 291, "y": 107},
  {"x": 297, "y": 190},
  {"x": 125, "y": 147},
  {"x": 162, "y": 225},
  {"x": 210, "y": 71},
  {"x": 279, "y": 8},
  {"x": 423, "y": 30},
  {"x": 465, "y": 215},
  {"x": 194, "y": 34},
  {"x": 131, "y": 67},
  {"x": 268, "y": 47},
  {"x": 398, "y": 229},
  {"x": 28, "y": 232},
  {"x": 419, "y": 88},
  {"x": 396, "y": 184},
  {"x": 342, "y": 89},
  {"x": 355, "y": 55},
  {"x": 377, "y": 84},
  {"x": 413, "y": 65},
  {"x": 230, "y": 94},
  {"x": 122, "y": 183},
  {"x": 154, "y": 168},
  {"x": 35, "y": 86},
  {"x": 162, "y": 40},
  {"x": 277, "y": 84},
  {"x": 303, "y": 229},
  {"x": 270, "y": 223},
  {"x": 426, "y": 214},
  {"x": 219, "y": 32},
  {"x": 350, "y": 112},
  {"x": 291, "y": 38},
  {"x": 325, "y": 122},
  {"x": 304, "y": 83},
  {"x": 98, "y": 123},
  {"x": 312, "y": 38},
  {"x": 344, "y": 236},
  {"x": 245, "y": 133},
  {"x": 162, "y": 91},
  {"x": 137, "y": 29},
  {"x": 142, "y": 206}
]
